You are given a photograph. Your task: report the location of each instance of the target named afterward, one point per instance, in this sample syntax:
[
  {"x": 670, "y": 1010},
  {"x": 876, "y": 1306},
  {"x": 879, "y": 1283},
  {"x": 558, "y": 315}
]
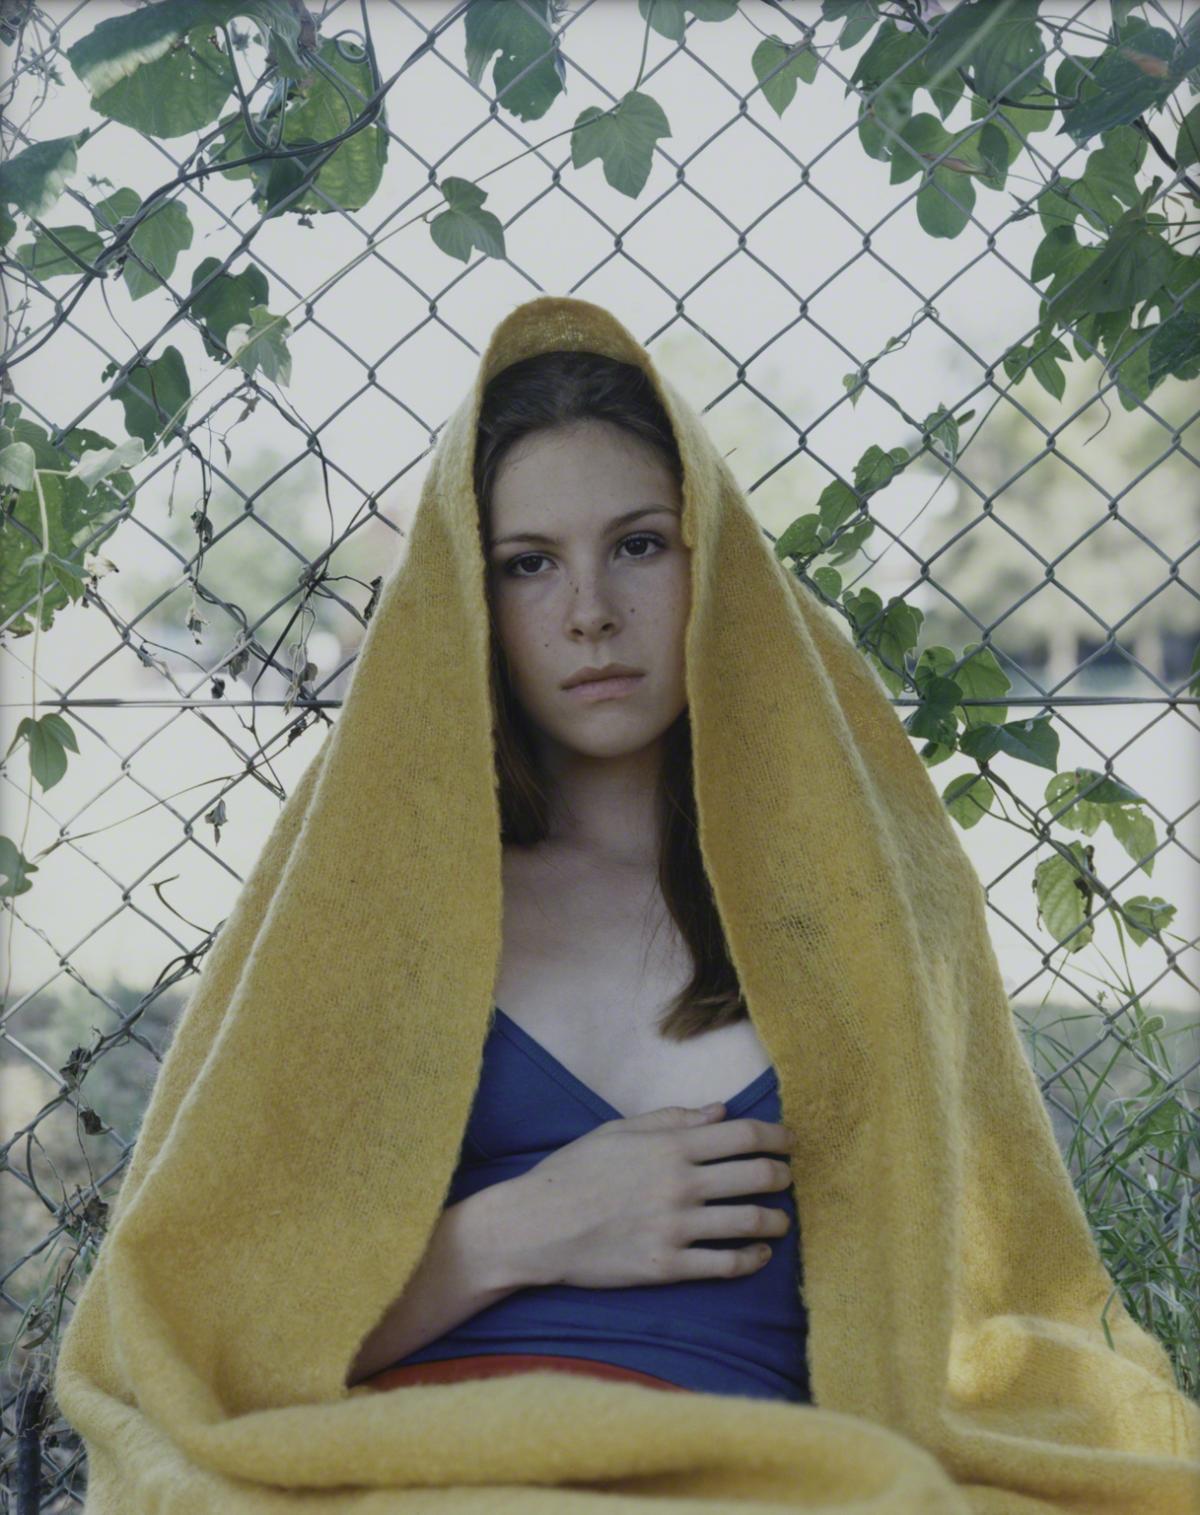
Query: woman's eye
[{"x": 510, "y": 567}]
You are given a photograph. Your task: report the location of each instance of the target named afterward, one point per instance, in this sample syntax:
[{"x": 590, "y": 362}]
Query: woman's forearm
[{"x": 474, "y": 1258}]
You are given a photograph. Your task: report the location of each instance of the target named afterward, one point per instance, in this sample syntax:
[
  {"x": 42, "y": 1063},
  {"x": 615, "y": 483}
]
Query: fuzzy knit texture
[{"x": 302, "y": 1134}]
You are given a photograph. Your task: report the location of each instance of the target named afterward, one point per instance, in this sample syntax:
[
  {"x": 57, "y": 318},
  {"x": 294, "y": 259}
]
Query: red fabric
[{"x": 497, "y": 1364}]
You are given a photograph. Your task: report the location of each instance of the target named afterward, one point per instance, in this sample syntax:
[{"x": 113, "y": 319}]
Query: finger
[
  {"x": 724, "y": 1262},
  {"x": 742, "y": 1175},
  {"x": 736, "y": 1222}
]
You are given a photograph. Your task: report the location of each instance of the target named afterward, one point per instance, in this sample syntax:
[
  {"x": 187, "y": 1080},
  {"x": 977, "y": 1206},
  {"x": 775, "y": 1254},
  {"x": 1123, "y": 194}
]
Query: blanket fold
[{"x": 302, "y": 1135}]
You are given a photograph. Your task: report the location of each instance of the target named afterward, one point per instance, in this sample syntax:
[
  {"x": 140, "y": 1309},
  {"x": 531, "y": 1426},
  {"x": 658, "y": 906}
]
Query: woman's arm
[{"x": 474, "y": 1258}]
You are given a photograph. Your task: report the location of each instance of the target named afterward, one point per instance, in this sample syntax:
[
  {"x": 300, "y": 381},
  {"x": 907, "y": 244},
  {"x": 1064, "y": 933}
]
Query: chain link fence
[{"x": 189, "y": 608}]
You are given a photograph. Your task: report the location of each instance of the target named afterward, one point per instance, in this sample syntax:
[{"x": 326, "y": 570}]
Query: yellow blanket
[{"x": 302, "y": 1135}]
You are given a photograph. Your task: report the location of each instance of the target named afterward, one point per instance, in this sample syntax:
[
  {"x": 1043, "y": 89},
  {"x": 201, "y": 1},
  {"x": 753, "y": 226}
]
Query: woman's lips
[{"x": 604, "y": 689}]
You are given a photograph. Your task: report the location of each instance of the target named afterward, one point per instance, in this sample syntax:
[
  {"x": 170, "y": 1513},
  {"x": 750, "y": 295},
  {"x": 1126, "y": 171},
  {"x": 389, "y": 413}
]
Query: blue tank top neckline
[
  {"x": 746, "y": 1097},
  {"x": 744, "y": 1335}
]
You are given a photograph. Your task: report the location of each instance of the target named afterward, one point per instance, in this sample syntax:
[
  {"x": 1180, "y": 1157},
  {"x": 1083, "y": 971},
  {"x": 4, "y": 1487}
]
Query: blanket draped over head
[{"x": 968, "y": 1351}]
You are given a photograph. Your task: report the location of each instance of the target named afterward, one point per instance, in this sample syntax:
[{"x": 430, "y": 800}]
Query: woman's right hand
[{"x": 620, "y": 1205}]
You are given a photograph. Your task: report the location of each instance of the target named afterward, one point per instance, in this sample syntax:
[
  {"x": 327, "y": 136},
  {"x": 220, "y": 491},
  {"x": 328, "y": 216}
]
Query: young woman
[
  {"x": 431, "y": 1109},
  {"x": 618, "y": 1011}
]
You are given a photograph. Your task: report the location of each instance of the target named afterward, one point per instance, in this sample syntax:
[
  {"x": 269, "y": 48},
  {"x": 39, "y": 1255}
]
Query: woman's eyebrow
[{"x": 630, "y": 515}]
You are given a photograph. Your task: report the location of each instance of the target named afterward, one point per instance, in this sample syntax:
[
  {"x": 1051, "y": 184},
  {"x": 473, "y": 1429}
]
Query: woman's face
[{"x": 573, "y": 588}]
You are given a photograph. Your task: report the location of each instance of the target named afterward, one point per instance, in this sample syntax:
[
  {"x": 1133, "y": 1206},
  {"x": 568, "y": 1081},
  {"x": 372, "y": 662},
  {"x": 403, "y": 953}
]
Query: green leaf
[
  {"x": 958, "y": 33},
  {"x": 48, "y": 740},
  {"x": 1064, "y": 897},
  {"x": 1078, "y": 814},
  {"x": 1130, "y": 267},
  {"x": 669, "y": 17},
  {"x": 849, "y": 540},
  {"x": 885, "y": 635},
  {"x": 158, "y": 241},
  {"x": 1128, "y": 361},
  {"x": 1032, "y": 741},
  {"x": 225, "y": 302},
  {"x": 1146, "y": 916},
  {"x": 876, "y": 468},
  {"x": 74, "y": 513},
  {"x": 945, "y": 202},
  {"x": 838, "y": 502},
  {"x": 777, "y": 67},
  {"x": 946, "y": 92},
  {"x": 100, "y": 463},
  {"x": 859, "y": 15},
  {"x": 968, "y": 798},
  {"x": 934, "y": 717},
  {"x": 623, "y": 139},
  {"x": 886, "y": 77},
  {"x": 15, "y": 869},
  {"x": 1191, "y": 35},
  {"x": 151, "y": 393},
  {"x": 1175, "y": 349},
  {"x": 1057, "y": 247},
  {"x": 1111, "y": 172},
  {"x": 33, "y": 180},
  {"x": 1138, "y": 75},
  {"x": 121, "y": 45},
  {"x": 934, "y": 753},
  {"x": 1187, "y": 143},
  {"x": 942, "y": 427},
  {"x": 803, "y": 538},
  {"x": 1017, "y": 122},
  {"x": 920, "y": 140},
  {"x": 1180, "y": 290},
  {"x": 992, "y": 151},
  {"x": 116, "y": 208},
  {"x": 262, "y": 344},
  {"x": 465, "y": 226},
  {"x": 879, "y": 122},
  {"x": 282, "y": 182},
  {"x": 1073, "y": 83},
  {"x": 234, "y": 143},
  {"x": 1041, "y": 359},
  {"x": 528, "y": 76},
  {"x": 983, "y": 150},
  {"x": 1007, "y": 47},
  {"x": 179, "y": 91},
  {"x": 1121, "y": 15},
  {"x": 61, "y": 729},
  {"x": 323, "y": 106},
  {"x": 979, "y": 678},
  {"x": 829, "y": 581},
  {"x": 17, "y": 461},
  {"x": 1096, "y": 798},
  {"x": 1102, "y": 789},
  {"x": 893, "y": 60},
  {"x": 60, "y": 250},
  {"x": 854, "y": 384},
  {"x": 1056, "y": 206},
  {"x": 1137, "y": 834},
  {"x": 350, "y": 177},
  {"x": 1073, "y": 262}
]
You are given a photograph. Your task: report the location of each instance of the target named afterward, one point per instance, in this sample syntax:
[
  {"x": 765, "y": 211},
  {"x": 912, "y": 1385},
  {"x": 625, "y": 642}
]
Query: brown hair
[{"x": 555, "y": 389}]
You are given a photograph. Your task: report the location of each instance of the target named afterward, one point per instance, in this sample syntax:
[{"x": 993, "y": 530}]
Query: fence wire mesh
[{"x": 1078, "y": 579}]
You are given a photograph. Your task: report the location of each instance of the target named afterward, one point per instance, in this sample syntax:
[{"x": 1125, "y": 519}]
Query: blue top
[{"x": 743, "y": 1335}]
